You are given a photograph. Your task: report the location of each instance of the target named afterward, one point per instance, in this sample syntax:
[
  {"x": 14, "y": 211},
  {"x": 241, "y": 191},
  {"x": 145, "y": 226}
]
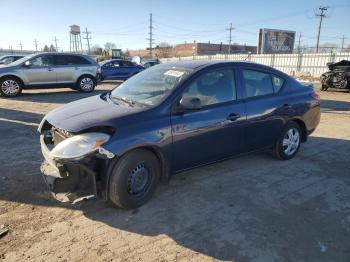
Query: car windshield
[
  {"x": 151, "y": 86},
  {"x": 23, "y": 59}
]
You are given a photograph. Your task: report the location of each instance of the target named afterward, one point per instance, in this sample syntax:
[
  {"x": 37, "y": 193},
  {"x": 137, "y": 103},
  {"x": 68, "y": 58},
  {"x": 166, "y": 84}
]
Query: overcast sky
[{"x": 126, "y": 23}]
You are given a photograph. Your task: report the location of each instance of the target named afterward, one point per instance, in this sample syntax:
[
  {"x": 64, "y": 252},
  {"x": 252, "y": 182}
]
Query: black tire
[
  {"x": 5, "y": 91},
  {"x": 280, "y": 150},
  {"x": 86, "y": 84},
  {"x": 324, "y": 88},
  {"x": 136, "y": 166}
]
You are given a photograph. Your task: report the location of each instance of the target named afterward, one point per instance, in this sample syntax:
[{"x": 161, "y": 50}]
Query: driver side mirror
[
  {"x": 190, "y": 103},
  {"x": 28, "y": 63}
]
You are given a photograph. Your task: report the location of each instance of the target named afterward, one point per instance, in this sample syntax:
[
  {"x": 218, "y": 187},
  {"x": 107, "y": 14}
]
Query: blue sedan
[
  {"x": 118, "y": 69},
  {"x": 169, "y": 118}
]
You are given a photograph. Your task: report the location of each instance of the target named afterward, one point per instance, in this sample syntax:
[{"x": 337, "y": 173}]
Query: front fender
[
  {"x": 158, "y": 142},
  {"x": 15, "y": 74}
]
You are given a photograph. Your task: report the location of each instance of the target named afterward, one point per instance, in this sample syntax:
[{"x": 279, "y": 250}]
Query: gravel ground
[{"x": 252, "y": 208}]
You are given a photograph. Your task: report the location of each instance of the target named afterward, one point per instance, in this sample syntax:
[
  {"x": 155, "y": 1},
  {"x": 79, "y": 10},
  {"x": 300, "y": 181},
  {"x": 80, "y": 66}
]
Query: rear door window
[
  {"x": 127, "y": 63},
  {"x": 115, "y": 64},
  {"x": 61, "y": 60},
  {"x": 77, "y": 60},
  {"x": 257, "y": 83}
]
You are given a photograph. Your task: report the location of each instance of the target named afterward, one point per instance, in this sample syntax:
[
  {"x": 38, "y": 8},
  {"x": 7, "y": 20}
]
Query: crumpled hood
[{"x": 86, "y": 113}]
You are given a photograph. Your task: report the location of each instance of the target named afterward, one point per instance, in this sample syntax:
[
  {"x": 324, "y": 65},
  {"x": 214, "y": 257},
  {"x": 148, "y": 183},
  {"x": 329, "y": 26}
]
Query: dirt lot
[{"x": 253, "y": 208}]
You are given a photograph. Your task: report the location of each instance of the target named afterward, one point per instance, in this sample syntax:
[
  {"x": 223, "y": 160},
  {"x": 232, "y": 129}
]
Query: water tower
[{"x": 75, "y": 39}]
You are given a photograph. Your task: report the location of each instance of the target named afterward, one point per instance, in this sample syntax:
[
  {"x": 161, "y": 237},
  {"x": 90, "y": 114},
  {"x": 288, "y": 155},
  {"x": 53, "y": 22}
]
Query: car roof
[
  {"x": 111, "y": 60},
  {"x": 200, "y": 64},
  {"x": 196, "y": 64}
]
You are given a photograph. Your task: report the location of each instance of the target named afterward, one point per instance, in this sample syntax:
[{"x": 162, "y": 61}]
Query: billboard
[{"x": 275, "y": 41}]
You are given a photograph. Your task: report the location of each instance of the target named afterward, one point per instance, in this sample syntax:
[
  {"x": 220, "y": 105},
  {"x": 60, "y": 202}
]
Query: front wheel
[
  {"x": 289, "y": 141},
  {"x": 134, "y": 179},
  {"x": 86, "y": 84},
  {"x": 10, "y": 87}
]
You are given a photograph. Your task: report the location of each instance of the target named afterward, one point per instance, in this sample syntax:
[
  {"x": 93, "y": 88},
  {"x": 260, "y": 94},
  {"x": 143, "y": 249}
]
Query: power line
[
  {"x": 87, "y": 38},
  {"x": 321, "y": 15},
  {"x": 36, "y": 45},
  {"x": 230, "y": 38},
  {"x": 56, "y": 40}
]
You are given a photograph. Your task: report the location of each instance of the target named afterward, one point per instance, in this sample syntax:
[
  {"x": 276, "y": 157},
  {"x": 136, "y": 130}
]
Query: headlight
[{"x": 79, "y": 146}]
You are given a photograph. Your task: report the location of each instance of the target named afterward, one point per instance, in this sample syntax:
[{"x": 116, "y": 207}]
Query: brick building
[{"x": 190, "y": 49}]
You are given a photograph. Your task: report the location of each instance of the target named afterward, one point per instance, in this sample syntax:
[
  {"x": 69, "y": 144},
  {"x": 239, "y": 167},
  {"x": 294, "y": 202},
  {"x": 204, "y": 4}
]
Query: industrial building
[{"x": 190, "y": 49}]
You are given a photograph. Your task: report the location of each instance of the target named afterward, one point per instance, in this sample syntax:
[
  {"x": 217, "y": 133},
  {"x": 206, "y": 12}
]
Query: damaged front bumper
[{"x": 69, "y": 180}]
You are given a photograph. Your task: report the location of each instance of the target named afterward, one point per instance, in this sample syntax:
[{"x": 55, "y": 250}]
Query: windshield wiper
[{"x": 123, "y": 99}]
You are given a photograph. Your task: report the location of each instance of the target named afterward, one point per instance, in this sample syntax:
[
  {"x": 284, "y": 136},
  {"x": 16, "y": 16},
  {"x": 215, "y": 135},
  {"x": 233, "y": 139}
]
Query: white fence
[
  {"x": 15, "y": 52},
  {"x": 313, "y": 64}
]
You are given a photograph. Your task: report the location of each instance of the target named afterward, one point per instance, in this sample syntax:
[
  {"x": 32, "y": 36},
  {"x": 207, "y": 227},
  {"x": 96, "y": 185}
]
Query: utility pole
[
  {"x": 342, "y": 43},
  {"x": 36, "y": 45},
  {"x": 10, "y": 47},
  {"x": 21, "y": 46},
  {"x": 321, "y": 15},
  {"x": 299, "y": 47},
  {"x": 56, "y": 40},
  {"x": 87, "y": 37},
  {"x": 151, "y": 40},
  {"x": 230, "y": 38}
]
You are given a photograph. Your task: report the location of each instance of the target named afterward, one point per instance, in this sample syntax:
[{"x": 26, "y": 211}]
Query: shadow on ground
[
  {"x": 250, "y": 207},
  {"x": 334, "y": 105},
  {"x": 241, "y": 209},
  {"x": 59, "y": 95}
]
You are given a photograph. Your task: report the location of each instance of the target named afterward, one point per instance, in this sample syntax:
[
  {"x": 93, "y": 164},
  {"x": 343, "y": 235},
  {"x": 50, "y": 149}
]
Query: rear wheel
[
  {"x": 10, "y": 87},
  {"x": 324, "y": 88},
  {"x": 289, "y": 141},
  {"x": 86, "y": 84},
  {"x": 134, "y": 178}
]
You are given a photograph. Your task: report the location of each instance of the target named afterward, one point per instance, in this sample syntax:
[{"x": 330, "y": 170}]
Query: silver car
[{"x": 47, "y": 70}]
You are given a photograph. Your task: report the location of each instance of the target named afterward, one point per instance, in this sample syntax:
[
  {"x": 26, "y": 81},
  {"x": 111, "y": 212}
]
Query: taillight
[{"x": 315, "y": 96}]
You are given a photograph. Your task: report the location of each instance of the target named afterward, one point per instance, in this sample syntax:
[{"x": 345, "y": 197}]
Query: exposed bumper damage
[{"x": 70, "y": 180}]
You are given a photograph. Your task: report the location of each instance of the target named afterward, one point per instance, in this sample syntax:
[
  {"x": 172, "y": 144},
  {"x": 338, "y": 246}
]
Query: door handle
[
  {"x": 50, "y": 69},
  {"x": 287, "y": 106},
  {"x": 233, "y": 116},
  {"x": 76, "y": 68}
]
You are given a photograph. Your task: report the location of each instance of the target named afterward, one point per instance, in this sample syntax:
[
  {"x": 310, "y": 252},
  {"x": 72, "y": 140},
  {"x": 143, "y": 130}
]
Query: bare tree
[
  {"x": 163, "y": 44},
  {"x": 96, "y": 50},
  {"x": 164, "y": 50},
  {"x": 52, "y": 48},
  {"x": 108, "y": 46}
]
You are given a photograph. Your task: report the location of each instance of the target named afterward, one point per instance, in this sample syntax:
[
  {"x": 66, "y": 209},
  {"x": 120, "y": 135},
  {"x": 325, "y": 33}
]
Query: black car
[
  {"x": 8, "y": 59},
  {"x": 169, "y": 118},
  {"x": 338, "y": 76}
]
